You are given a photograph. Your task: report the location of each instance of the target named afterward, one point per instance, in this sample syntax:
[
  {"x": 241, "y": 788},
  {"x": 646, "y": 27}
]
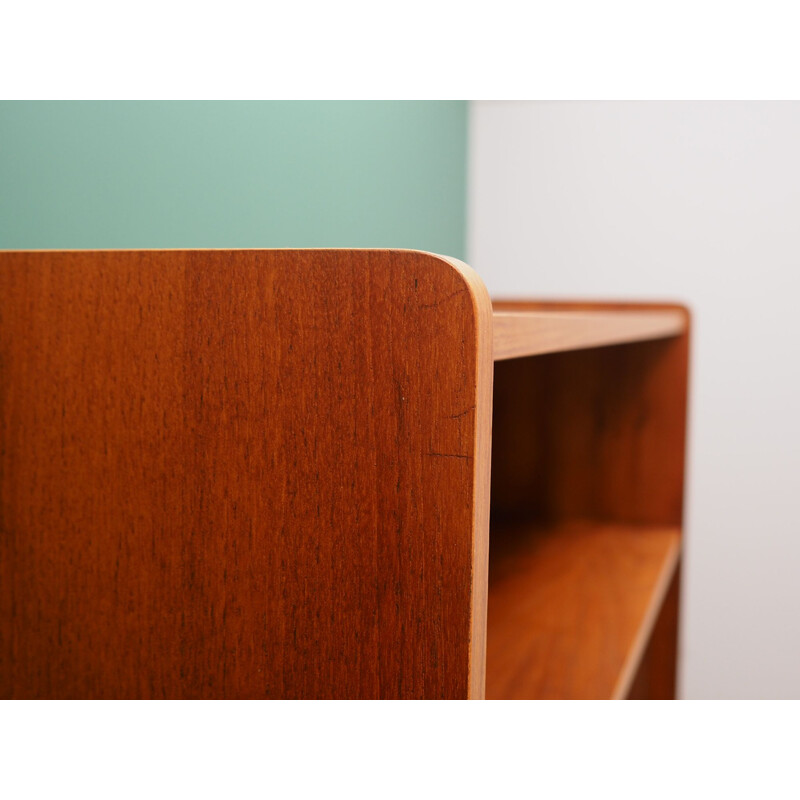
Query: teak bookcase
[{"x": 266, "y": 474}]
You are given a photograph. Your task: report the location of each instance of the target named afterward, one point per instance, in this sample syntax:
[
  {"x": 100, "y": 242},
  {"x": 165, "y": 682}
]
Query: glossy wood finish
[
  {"x": 243, "y": 474},
  {"x": 530, "y": 333},
  {"x": 572, "y": 605}
]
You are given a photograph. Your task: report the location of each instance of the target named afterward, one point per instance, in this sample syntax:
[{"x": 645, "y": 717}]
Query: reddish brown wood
[
  {"x": 570, "y": 606},
  {"x": 596, "y": 435},
  {"x": 242, "y": 474},
  {"x": 266, "y": 474},
  {"x": 528, "y": 333},
  {"x": 655, "y": 677}
]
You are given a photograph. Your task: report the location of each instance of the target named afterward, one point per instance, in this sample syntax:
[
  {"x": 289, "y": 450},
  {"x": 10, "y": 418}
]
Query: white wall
[{"x": 697, "y": 202}]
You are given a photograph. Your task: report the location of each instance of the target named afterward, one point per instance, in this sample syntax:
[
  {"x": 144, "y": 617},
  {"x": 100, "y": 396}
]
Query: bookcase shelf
[
  {"x": 530, "y": 333},
  {"x": 571, "y": 607},
  {"x": 587, "y": 498},
  {"x": 332, "y": 474}
]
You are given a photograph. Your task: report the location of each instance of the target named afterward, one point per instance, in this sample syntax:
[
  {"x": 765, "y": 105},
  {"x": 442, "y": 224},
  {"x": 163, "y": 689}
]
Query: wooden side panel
[{"x": 242, "y": 474}]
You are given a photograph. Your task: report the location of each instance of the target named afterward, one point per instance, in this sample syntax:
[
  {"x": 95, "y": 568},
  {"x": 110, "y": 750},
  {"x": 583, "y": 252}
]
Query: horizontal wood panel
[
  {"x": 571, "y": 607},
  {"x": 519, "y": 333}
]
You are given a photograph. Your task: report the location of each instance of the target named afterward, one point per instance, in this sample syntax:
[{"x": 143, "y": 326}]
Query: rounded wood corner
[
  {"x": 483, "y": 320},
  {"x": 481, "y": 301}
]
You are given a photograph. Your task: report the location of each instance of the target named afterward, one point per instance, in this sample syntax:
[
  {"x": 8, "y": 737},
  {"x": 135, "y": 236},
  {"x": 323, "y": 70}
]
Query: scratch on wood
[
  {"x": 463, "y": 413},
  {"x": 443, "y": 300},
  {"x": 450, "y": 455}
]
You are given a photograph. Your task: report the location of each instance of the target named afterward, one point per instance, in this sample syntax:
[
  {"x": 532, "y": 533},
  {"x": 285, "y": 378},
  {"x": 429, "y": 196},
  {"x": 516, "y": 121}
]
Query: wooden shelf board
[
  {"x": 535, "y": 332},
  {"x": 571, "y": 607}
]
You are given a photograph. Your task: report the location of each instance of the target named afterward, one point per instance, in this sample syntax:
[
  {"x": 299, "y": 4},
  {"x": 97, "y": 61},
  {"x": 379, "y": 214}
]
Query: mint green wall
[{"x": 233, "y": 174}]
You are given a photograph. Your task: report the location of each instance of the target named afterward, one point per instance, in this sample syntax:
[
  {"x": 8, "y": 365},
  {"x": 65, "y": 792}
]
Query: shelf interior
[
  {"x": 572, "y": 605},
  {"x": 586, "y": 509},
  {"x": 519, "y": 332}
]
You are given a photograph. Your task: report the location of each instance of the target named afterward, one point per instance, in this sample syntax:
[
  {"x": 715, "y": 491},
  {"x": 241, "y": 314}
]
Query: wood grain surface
[
  {"x": 654, "y": 677},
  {"x": 571, "y": 604},
  {"x": 529, "y": 333},
  {"x": 243, "y": 474},
  {"x": 592, "y": 437},
  {"x": 597, "y": 433}
]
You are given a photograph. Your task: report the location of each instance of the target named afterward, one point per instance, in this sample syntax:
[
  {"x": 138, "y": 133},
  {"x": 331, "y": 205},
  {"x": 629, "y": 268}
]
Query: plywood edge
[
  {"x": 560, "y": 304},
  {"x": 482, "y": 309},
  {"x": 639, "y": 645}
]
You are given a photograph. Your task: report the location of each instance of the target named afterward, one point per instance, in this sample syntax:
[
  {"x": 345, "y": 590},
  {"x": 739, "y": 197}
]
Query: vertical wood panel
[{"x": 242, "y": 474}]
